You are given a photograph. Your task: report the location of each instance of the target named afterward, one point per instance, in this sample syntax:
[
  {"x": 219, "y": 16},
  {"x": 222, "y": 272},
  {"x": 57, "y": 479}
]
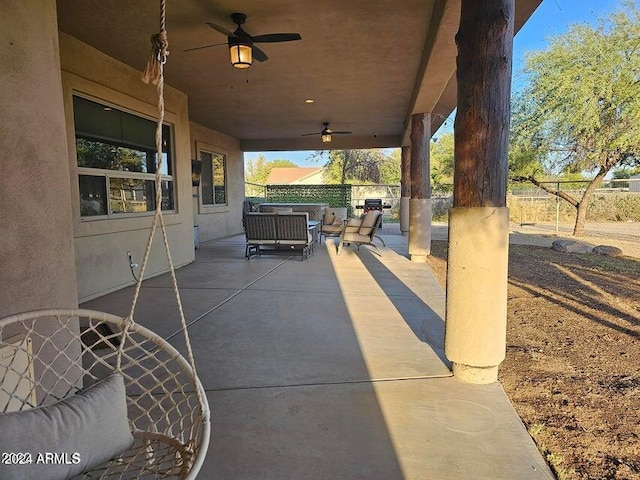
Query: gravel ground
[{"x": 625, "y": 236}]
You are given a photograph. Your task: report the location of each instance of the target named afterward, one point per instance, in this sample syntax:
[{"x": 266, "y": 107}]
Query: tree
[
  {"x": 390, "y": 171},
  {"x": 580, "y": 111},
  {"x": 258, "y": 171},
  {"x": 352, "y": 166},
  {"x": 442, "y": 163}
]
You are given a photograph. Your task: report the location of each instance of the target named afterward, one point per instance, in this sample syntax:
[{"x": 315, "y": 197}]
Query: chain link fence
[{"x": 527, "y": 204}]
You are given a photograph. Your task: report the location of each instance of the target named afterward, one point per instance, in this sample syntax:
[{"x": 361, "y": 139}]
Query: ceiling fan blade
[
  {"x": 220, "y": 29},
  {"x": 259, "y": 55},
  {"x": 276, "y": 37},
  {"x": 309, "y": 134},
  {"x": 204, "y": 46},
  {"x": 338, "y": 132}
]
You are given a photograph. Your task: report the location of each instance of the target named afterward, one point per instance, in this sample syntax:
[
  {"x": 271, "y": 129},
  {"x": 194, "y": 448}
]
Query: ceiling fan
[
  {"x": 241, "y": 44},
  {"x": 326, "y": 133}
]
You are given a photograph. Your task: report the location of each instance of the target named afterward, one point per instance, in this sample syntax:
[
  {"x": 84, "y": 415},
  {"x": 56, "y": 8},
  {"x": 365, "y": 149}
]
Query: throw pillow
[{"x": 59, "y": 441}]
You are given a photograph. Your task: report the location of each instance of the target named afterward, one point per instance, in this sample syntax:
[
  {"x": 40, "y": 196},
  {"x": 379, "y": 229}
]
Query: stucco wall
[
  {"x": 36, "y": 248},
  {"x": 101, "y": 245},
  {"x": 226, "y": 220},
  {"x": 37, "y": 263}
]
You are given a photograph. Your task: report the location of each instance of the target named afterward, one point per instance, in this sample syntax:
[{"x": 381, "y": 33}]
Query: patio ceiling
[{"x": 367, "y": 65}]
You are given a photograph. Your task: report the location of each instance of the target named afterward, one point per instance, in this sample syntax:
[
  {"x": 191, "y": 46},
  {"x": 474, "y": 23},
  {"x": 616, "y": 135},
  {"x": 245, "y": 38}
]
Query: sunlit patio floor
[{"x": 331, "y": 368}]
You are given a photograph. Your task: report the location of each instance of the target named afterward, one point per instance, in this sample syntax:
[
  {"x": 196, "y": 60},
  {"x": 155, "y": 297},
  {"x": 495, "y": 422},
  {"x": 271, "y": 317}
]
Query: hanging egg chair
[{"x": 52, "y": 360}]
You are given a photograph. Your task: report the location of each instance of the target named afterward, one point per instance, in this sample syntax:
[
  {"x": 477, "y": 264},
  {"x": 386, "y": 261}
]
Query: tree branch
[{"x": 557, "y": 193}]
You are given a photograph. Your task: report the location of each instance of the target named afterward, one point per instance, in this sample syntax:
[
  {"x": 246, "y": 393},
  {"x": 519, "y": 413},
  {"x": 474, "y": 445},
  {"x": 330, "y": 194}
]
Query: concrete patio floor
[{"x": 331, "y": 368}]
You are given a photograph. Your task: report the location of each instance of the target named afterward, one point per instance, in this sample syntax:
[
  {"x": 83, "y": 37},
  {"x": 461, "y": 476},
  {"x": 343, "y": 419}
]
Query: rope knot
[{"x": 157, "y": 58}]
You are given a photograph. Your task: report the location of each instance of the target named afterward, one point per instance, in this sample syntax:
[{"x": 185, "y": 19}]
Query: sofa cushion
[
  {"x": 355, "y": 237},
  {"x": 333, "y": 229}
]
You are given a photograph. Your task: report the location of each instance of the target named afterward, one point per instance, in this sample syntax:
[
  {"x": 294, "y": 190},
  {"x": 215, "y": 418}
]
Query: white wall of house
[
  {"x": 316, "y": 178},
  {"x": 217, "y": 221},
  {"x": 101, "y": 245}
]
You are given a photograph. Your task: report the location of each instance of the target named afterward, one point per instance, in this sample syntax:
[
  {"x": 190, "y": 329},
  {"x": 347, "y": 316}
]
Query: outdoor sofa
[{"x": 276, "y": 232}]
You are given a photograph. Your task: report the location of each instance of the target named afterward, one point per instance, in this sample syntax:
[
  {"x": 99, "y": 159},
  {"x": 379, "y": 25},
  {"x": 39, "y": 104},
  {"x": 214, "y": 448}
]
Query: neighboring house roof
[{"x": 286, "y": 175}]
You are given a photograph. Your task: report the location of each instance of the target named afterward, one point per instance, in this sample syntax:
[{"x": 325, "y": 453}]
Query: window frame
[
  {"x": 108, "y": 174},
  {"x": 213, "y": 151}
]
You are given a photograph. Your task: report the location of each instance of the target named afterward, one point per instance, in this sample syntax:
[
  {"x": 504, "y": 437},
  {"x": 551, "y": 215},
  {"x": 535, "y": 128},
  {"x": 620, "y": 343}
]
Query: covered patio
[
  {"x": 331, "y": 368},
  {"x": 335, "y": 367}
]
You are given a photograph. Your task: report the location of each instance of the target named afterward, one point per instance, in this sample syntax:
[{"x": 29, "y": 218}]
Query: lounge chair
[
  {"x": 333, "y": 222},
  {"x": 362, "y": 231}
]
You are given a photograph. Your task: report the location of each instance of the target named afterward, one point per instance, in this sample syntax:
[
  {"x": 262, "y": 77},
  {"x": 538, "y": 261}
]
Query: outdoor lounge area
[
  {"x": 331, "y": 368},
  {"x": 337, "y": 366}
]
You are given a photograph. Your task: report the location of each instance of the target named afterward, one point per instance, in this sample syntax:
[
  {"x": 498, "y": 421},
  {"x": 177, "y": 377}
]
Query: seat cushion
[
  {"x": 356, "y": 238},
  {"x": 68, "y": 437},
  {"x": 332, "y": 229}
]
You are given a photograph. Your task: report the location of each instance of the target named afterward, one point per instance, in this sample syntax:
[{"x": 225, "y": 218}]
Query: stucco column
[
  {"x": 405, "y": 189},
  {"x": 420, "y": 202},
  {"x": 475, "y": 328},
  {"x": 36, "y": 245},
  {"x": 36, "y": 249}
]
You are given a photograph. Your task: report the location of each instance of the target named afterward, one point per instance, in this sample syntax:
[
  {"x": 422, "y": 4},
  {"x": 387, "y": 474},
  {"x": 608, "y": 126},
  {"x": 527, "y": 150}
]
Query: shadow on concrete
[
  {"x": 276, "y": 350},
  {"x": 424, "y": 321}
]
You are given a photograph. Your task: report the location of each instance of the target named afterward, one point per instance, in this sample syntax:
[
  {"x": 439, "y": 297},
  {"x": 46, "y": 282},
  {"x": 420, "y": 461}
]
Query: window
[
  {"x": 214, "y": 178},
  {"x": 116, "y": 157}
]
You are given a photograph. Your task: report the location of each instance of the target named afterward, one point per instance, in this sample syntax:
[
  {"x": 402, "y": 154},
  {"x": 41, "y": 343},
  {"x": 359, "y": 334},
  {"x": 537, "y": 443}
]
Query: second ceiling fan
[
  {"x": 241, "y": 43},
  {"x": 326, "y": 133}
]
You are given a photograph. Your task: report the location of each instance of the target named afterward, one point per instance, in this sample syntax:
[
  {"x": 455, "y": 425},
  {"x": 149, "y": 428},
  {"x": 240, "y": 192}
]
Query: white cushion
[{"x": 84, "y": 430}]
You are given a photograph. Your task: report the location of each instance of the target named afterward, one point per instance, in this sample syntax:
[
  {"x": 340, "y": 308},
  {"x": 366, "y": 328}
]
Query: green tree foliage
[
  {"x": 390, "y": 167},
  {"x": 96, "y": 154},
  {"x": 581, "y": 108},
  {"x": 442, "y": 161},
  {"x": 258, "y": 171},
  {"x": 357, "y": 166}
]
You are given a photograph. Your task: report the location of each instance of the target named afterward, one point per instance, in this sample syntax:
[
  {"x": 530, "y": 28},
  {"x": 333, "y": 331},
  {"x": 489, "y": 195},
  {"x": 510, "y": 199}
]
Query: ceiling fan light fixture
[
  {"x": 241, "y": 54},
  {"x": 326, "y": 137}
]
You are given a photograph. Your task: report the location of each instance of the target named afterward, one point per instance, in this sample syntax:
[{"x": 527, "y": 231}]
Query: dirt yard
[{"x": 572, "y": 369}]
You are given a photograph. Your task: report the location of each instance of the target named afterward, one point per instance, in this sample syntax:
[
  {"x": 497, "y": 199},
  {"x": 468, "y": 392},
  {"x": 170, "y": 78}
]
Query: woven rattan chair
[
  {"x": 260, "y": 231},
  {"x": 293, "y": 233}
]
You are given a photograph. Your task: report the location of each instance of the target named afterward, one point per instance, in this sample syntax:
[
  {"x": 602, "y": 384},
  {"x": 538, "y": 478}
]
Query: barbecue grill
[{"x": 373, "y": 204}]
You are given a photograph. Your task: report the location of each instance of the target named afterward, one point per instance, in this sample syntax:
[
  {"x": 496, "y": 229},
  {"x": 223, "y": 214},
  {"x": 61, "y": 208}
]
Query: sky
[{"x": 553, "y": 17}]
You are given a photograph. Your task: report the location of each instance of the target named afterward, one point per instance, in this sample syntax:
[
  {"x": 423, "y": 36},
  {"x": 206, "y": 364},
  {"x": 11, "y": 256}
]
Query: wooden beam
[
  {"x": 405, "y": 172},
  {"x": 420, "y": 136},
  {"x": 485, "y": 49}
]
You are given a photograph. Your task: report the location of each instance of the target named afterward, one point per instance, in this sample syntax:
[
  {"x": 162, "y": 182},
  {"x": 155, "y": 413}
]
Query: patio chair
[
  {"x": 293, "y": 233},
  {"x": 333, "y": 222},
  {"x": 260, "y": 231},
  {"x": 362, "y": 231}
]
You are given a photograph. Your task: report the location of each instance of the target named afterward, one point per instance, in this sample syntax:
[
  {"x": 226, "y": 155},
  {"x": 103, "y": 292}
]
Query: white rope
[{"x": 154, "y": 73}]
